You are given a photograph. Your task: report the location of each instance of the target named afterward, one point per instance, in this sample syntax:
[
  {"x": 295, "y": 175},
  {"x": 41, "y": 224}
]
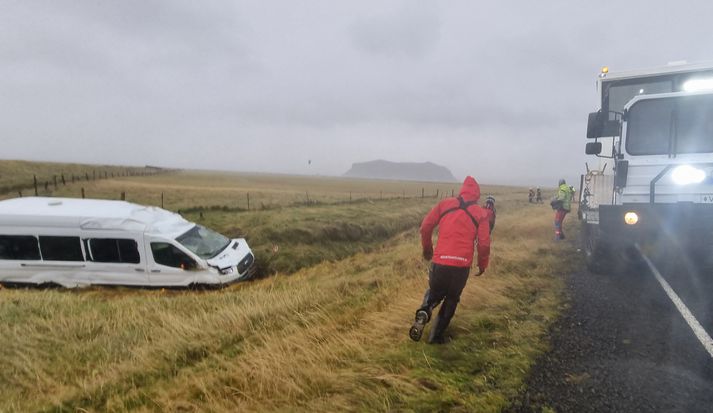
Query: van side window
[
  {"x": 61, "y": 248},
  {"x": 19, "y": 247},
  {"x": 114, "y": 250},
  {"x": 168, "y": 255}
]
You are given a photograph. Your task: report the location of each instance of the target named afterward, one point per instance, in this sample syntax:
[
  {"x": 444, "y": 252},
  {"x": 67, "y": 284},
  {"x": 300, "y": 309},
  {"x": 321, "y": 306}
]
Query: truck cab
[{"x": 656, "y": 182}]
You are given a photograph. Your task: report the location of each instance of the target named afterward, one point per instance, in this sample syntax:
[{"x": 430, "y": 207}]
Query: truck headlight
[
  {"x": 686, "y": 174},
  {"x": 631, "y": 218}
]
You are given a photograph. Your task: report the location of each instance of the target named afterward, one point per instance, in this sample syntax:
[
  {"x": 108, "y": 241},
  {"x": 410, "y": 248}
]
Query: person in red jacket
[{"x": 462, "y": 225}]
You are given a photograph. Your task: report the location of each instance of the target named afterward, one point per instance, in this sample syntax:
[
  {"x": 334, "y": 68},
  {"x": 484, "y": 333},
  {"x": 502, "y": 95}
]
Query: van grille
[{"x": 245, "y": 263}]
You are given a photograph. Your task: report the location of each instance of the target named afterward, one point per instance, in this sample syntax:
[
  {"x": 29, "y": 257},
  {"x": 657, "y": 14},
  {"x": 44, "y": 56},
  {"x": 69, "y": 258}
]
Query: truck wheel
[{"x": 598, "y": 259}]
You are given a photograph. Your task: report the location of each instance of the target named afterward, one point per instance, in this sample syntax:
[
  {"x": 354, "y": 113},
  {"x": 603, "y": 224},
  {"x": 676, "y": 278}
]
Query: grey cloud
[
  {"x": 412, "y": 30},
  {"x": 496, "y": 89}
]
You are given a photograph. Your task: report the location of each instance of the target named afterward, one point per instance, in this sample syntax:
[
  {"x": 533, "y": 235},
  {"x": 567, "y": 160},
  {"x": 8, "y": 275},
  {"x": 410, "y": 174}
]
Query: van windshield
[{"x": 203, "y": 242}]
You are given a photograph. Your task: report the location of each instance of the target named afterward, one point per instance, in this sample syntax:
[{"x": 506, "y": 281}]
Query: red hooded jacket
[{"x": 457, "y": 235}]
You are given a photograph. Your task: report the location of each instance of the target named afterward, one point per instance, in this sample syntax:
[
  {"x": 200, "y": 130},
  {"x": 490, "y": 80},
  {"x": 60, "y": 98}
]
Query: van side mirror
[
  {"x": 595, "y": 125},
  {"x": 189, "y": 265},
  {"x": 593, "y": 148}
]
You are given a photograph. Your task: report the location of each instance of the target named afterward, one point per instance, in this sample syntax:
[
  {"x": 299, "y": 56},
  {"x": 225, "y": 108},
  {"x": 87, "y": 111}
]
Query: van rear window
[
  {"x": 19, "y": 247},
  {"x": 114, "y": 250},
  {"x": 61, "y": 248}
]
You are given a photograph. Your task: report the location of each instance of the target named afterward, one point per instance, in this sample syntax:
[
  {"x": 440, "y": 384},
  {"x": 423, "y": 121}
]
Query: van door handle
[
  {"x": 155, "y": 270},
  {"x": 139, "y": 269}
]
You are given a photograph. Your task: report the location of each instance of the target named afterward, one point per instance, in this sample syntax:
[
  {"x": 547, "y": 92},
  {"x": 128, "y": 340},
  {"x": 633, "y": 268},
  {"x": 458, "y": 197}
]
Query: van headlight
[
  {"x": 226, "y": 270},
  {"x": 631, "y": 218},
  {"x": 687, "y": 174}
]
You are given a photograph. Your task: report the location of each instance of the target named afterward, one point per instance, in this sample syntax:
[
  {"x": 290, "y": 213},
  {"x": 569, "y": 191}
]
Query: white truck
[
  {"x": 653, "y": 183},
  {"x": 80, "y": 242}
]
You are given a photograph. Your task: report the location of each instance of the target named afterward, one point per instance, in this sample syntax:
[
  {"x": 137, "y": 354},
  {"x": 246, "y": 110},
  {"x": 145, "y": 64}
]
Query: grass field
[
  {"x": 202, "y": 189},
  {"x": 331, "y": 336},
  {"x": 19, "y": 176}
]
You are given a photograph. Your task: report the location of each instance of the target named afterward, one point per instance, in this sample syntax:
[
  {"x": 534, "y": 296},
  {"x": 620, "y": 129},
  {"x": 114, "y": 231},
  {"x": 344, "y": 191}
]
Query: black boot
[
  {"x": 438, "y": 330},
  {"x": 448, "y": 309},
  {"x": 416, "y": 330}
]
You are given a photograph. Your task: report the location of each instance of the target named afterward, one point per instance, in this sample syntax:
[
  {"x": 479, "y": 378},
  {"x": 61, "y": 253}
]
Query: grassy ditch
[
  {"x": 329, "y": 337},
  {"x": 288, "y": 239}
]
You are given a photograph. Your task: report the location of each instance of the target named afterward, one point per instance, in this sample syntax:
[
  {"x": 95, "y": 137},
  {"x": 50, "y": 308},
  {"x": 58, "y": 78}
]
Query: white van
[{"x": 78, "y": 242}]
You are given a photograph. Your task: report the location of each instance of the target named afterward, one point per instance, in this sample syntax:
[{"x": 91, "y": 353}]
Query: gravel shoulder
[{"x": 621, "y": 345}]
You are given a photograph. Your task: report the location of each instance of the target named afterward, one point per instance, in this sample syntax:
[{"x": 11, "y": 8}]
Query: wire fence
[{"x": 47, "y": 184}]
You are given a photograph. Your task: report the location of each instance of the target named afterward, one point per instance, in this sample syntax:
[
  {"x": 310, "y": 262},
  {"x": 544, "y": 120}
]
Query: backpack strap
[{"x": 464, "y": 206}]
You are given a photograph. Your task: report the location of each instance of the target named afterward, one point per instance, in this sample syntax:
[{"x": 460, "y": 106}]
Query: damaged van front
[{"x": 231, "y": 258}]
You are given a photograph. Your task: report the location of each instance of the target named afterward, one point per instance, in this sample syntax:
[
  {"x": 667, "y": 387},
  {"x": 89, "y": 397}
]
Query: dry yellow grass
[
  {"x": 18, "y": 176},
  {"x": 329, "y": 337},
  {"x": 191, "y": 189}
]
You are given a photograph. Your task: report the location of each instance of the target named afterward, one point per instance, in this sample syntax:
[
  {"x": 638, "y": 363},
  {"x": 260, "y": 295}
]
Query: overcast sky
[{"x": 499, "y": 90}]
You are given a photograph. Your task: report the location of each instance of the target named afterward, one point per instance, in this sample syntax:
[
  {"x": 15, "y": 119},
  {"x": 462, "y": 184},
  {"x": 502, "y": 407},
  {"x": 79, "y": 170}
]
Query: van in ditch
[{"x": 80, "y": 242}]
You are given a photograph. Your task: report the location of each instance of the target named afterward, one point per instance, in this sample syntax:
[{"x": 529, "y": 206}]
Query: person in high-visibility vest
[{"x": 562, "y": 204}]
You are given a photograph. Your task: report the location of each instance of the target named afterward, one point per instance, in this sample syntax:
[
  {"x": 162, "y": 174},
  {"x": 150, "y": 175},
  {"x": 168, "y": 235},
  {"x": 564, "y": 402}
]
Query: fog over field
[{"x": 497, "y": 90}]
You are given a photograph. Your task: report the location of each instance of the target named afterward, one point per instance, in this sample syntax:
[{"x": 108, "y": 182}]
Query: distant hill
[{"x": 403, "y": 171}]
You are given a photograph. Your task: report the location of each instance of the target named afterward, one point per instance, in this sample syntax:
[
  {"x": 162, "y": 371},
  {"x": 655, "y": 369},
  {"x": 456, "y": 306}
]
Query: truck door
[{"x": 169, "y": 265}]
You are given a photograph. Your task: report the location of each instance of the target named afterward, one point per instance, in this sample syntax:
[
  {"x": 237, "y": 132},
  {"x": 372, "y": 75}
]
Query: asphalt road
[{"x": 623, "y": 346}]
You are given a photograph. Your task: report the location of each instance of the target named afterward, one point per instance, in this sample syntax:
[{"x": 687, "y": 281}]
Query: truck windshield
[
  {"x": 203, "y": 242},
  {"x": 619, "y": 93},
  {"x": 670, "y": 126}
]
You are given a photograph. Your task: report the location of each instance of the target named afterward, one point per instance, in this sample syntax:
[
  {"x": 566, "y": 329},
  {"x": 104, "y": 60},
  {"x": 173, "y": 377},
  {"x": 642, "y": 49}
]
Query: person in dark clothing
[{"x": 462, "y": 224}]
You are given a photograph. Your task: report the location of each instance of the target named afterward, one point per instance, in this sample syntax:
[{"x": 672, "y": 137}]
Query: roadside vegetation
[
  {"x": 330, "y": 336},
  {"x": 19, "y": 176}
]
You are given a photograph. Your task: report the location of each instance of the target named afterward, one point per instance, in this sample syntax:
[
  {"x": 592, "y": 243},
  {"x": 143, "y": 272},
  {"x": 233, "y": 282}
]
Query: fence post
[
  {"x": 436, "y": 193},
  {"x": 82, "y": 192},
  {"x": 54, "y": 178},
  {"x": 161, "y": 199},
  {"x": 34, "y": 180},
  {"x": 422, "y": 192},
  {"x": 403, "y": 194},
  {"x": 123, "y": 196},
  {"x": 64, "y": 183},
  {"x": 381, "y": 195},
  {"x": 72, "y": 178},
  {"x": 19, "y": 193},
  {"x": 86, "y": 175},
  {"x": 307, "y": 195},
  {"x": 106, "y": 175},
  {"x": 350, "y": 197},
  {"x": 47, "y": 186},
  {"x": 248, "y": 196}
]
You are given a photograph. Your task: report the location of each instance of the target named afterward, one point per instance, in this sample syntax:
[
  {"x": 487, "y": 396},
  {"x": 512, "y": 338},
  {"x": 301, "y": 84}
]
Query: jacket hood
[{"x": 470, "y": 191}]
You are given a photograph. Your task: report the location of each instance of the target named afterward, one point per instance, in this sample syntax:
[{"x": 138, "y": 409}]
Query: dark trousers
[{"x": 445, "y": 283}]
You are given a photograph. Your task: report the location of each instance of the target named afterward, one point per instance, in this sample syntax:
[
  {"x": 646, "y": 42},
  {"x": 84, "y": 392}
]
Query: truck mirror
[
  {"x": 593, "y": 148},
  {"x": 595, "y": 125},
  {"x": 622, "y": 171}
]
